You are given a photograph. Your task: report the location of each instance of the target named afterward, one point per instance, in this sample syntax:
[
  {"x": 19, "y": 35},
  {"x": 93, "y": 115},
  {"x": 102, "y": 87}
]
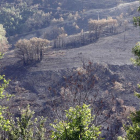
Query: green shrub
[
  {"x": 27, "y": 128},
  {"x": 77, "y": 126}
]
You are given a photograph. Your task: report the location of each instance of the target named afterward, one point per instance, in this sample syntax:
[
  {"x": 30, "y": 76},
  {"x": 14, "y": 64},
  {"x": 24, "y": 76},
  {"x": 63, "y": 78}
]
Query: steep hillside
[
  {"x": 74, "y": 5},
  {"x": 106, "y": 58}
]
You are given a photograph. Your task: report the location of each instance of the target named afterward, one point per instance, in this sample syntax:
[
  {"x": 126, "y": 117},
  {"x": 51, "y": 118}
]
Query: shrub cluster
[{"x": 31, "y": 50}]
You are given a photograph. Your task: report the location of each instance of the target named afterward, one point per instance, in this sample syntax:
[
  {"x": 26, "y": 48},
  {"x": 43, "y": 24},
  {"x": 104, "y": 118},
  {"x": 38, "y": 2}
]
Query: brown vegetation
[
  {"x": 31, "y": 50},
  {"x": 99, "y": 25},
  {"x": 80, "y": 87},
  {"x": 3, "y": 40}
]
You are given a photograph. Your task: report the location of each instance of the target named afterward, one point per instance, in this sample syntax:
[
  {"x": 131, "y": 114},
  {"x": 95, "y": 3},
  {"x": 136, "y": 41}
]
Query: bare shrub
[
  {"x": 74, "y": 16},
  {"x": 55, "y": 21},
  {"x": 79, "y": 88}
]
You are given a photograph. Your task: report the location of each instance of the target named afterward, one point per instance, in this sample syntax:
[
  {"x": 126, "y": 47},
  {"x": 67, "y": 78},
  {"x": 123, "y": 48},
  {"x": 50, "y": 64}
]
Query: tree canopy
[
  {"x": 3, "y": 39},
  {"x": 77, "y": 126}
]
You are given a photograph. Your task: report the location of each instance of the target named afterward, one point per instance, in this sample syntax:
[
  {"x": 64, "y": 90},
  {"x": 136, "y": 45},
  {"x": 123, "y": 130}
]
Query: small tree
[
  {"x": 3, "y": 39},
  {"x": 77, "y": 126},
  {"x": 55, "y": 33},
  {"x": 4, "y": 122},
  {"x": 136, "y": 52},
  {"x": 98, "y": 26},
  {"x": 37, "y": 20},
  {"x": 31, "y": 50},
  {"x": 27, "y": 128}
]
